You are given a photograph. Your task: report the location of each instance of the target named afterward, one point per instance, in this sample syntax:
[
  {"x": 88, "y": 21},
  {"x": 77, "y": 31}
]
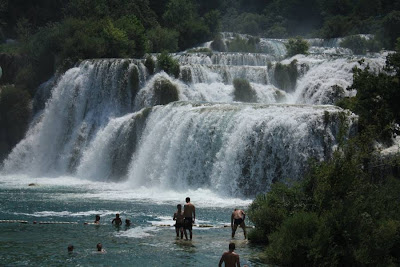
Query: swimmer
[
  {"x": 97, "y": 220},
  {"x": 237, "y": 219},
  {"x": 70, "y": 248},
  {"x": 189, "y": 212},
  {"x": 127, "y": 222},
  {"x": 230, "y": 258},
  {"x": 117, "y": 220},
  {"x": 178, "y": 217},
  {"x": 100, "y": 248}
]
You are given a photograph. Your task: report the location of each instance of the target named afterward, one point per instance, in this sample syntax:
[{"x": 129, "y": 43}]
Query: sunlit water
[{"x": 148, "y": 242}]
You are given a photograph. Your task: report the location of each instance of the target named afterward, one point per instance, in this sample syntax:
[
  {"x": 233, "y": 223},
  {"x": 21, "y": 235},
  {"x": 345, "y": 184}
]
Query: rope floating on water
[
  {"x": 199, "y": 225},
  {"x": 58, "y": 223}
]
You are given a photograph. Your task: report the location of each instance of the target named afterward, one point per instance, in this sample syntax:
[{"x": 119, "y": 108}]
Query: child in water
[{"x": 178, "y": 217}]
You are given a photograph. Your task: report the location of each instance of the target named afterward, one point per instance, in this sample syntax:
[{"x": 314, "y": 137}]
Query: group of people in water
[{"x": 184, "y": 220}]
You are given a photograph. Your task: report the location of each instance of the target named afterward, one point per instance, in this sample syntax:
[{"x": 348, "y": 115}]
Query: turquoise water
[{"x": 148, "y": 242}]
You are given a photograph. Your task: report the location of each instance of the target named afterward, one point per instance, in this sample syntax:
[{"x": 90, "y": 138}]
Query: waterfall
[
  {"x": 81, "y": 103},
  {"x": 238, "y": 149},
  {"x": 102, "y": 120}
]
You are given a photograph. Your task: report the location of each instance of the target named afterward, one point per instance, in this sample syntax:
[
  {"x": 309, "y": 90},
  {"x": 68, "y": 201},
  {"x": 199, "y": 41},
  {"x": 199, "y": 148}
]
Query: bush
[
  {"x": 296, "y": 46},
  {"x": 360, "y": 45},
  {"x": 291, "y": 243},
  {"x": 243, "y": 91},
  {"x": 168, "y": 64},
  {"x": 286, "y": 76}
]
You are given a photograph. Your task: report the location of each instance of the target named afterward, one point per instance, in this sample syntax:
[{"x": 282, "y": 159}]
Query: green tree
[
  {"x": 162, "y": 39},
  {"x": 296, "y": 46}
]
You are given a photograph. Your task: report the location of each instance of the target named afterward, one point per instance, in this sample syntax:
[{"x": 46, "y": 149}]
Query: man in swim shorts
[
  {"x": 189, "y": 212},
  {"x": 230, "y": 258},
  {"x": 237, "y": 219},
  {"x": 178, "y": 217}
]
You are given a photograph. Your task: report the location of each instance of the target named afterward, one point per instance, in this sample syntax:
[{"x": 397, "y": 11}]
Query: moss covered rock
[
  {"x": 165, "y": 92},
  {"x": 243, "y": 91},
  {"x": 285, "y": 76}
]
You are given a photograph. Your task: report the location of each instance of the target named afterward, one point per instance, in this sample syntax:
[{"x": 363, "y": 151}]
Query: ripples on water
[{"x": 146, "y": 243}]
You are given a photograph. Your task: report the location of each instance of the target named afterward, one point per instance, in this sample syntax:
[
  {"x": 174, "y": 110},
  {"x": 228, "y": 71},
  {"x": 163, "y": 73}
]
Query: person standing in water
[
  {"x": 230, "y": 258},
  {"x": 237, "y": 219},
  {"x": 178, "y": 218},
  {"x": 189, "y": 212},
  {"x": 117, "y": 220}
]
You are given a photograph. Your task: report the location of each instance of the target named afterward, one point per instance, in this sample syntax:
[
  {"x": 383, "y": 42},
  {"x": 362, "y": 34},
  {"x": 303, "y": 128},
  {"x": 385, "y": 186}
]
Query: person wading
[
  {"x": 237, "y": 219},
  {"x": 189, "y": 213},
  {"x": 230, "y": 258}
]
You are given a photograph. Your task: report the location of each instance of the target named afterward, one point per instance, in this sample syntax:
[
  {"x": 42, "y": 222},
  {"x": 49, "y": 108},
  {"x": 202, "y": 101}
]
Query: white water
[{"x": 96, "y": 127}]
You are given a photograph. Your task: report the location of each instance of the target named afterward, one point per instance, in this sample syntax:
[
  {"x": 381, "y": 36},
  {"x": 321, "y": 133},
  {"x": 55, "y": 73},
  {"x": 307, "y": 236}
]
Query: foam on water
[
  {"x": 107, "y": 191},
  {"x": 68, "y": 213},
  {"x": 138, "y": 232}
]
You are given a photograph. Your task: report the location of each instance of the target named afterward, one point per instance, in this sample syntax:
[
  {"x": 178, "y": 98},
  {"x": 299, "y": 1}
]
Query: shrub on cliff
[
  {"x": 243, "y": 91},
  {"x": 296, "y": 46},
  {"x": 166, "y": 63}
]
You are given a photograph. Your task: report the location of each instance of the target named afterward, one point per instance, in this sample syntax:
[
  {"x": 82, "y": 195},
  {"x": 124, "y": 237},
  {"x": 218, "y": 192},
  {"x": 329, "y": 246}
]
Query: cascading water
[{"x": 102, "y": 121}]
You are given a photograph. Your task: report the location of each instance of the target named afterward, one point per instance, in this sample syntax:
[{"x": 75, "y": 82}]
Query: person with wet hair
[
  {"x": 230, "y": 258},
  {"x": 99, "y": 247},
  {"x": 97, "y": 220},
  {"x": 70, "y": 248}
]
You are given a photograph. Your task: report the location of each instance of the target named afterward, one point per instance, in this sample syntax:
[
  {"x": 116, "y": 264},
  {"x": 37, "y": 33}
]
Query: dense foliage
[
  {"x": 377, "y": 99},
  {"x": 296, "y": 46},
  {"x": 14, "y": 116},
  {"x": 346, "y": 212}
]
